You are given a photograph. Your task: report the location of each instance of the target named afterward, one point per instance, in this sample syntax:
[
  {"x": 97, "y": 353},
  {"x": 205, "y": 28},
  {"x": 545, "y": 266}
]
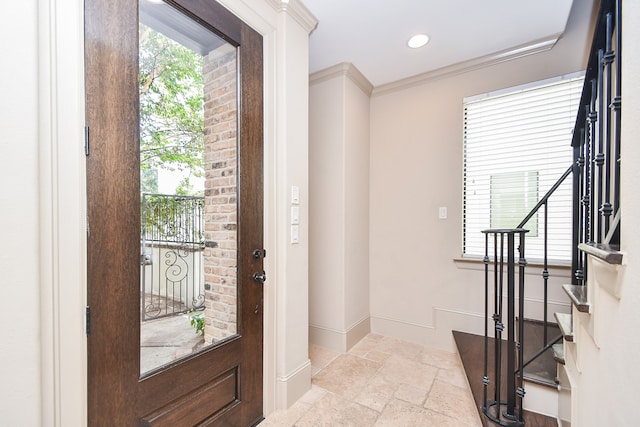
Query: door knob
[{"x": 260, "y": 277}]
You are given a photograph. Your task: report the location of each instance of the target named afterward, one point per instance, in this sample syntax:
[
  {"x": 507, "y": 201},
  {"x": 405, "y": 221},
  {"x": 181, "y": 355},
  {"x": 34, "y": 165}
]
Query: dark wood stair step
[
  {"x": 578, "y": 296},
  {"x": 558, "y": 353},
  {"x": 565, "y": 322},
  {"x": 542, "y": 370},
  {"x": 608, "y": 253},
  {"x": 470, "y": 348}
]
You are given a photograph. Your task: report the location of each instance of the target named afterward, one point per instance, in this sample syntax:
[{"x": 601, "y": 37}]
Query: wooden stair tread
[
  {"x": 470, "y": 347},
  {"x": 565, "y": 322},
  {"x": 578, "y": 296},
  {"x": 558, "y": 353},
  {"x": 608, "y": 253}
]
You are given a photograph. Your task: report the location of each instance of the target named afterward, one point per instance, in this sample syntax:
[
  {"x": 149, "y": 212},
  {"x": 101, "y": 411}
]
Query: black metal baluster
[
  {"x": 485, "y": 378},
  {"x": 608, "y": 58},
  {"x": 499, "y": 329},
  {"x": 586, "y": 198},
  {"x": 593, "y": 191},
  {"x": 545, "y": 271},
  {"x": 511, "y": 315},
  {"x": 617, "y": 106},
  {"x": 521, "y": 276},
  {"x": 577, "y": 183},
  {"x": 599, "y": 156}
]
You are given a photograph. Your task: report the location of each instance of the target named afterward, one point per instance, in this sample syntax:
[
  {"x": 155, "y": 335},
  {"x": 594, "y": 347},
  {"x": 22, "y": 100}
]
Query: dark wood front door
[{"x": 221, "y": 382}]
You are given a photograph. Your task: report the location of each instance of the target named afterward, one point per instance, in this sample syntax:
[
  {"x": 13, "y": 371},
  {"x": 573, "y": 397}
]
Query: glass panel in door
[{"x": 188, "y": 170}]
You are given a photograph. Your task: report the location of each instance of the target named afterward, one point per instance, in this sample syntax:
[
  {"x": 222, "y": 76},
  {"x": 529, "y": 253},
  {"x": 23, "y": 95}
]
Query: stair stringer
[{"x": 583, "y": 355}]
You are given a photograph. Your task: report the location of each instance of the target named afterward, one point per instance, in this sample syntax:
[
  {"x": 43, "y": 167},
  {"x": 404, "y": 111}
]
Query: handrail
[{"x": 545, "y": 198}]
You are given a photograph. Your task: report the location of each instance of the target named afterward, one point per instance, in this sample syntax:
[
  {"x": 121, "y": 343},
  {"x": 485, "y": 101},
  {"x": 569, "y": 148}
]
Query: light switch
[
  {"x": 295, "y": 234},
  {"x": 442, "y": 213},
  {"x": 295, "y": 215},
  {"x": 295, "y": 195}
]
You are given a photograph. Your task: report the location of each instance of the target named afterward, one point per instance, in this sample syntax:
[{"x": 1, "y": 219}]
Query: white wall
[
  {"x": 19, "y": 258},
  {"x": 418, "y": 291},
  {"x": 43, "y": 349},
  {"x": 356, "y": 196},
  {"x": 326, "y": 212},
  {"x": 339, "y": 207}
]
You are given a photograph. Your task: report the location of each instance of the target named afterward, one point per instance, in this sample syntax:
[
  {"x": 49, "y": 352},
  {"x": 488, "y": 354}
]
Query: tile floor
[{"x": 383, "y": 381}]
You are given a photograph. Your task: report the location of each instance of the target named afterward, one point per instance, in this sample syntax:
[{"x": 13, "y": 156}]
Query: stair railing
[
  {"x": 504, "y": 256},
  {"x": 596, "y": 143},
  {"x": 596, "y": 217}
]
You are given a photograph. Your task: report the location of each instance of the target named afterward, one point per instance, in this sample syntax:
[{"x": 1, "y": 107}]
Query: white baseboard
[
  {"x": 340, "y": 341},
  {"x": 292, "y": 387},
  {"x": 438, "y": 335}
]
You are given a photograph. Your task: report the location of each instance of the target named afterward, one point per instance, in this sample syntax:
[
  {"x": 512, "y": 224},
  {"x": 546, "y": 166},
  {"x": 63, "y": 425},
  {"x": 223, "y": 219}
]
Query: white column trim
[
  {"x": 298, "y": 11},
  {"x": 344, "y": 69},
  {"x": 62, "y": 213}
]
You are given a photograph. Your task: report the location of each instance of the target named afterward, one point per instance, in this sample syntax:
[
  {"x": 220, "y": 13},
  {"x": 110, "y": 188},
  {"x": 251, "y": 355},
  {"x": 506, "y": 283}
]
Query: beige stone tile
[
  {"x": 453, "y": 401},
  {"x": 313, "y": 395},
  {"x": 455, "y": 376},
  {"x": 398, "y": 413},
  {"x": 377, "y": 393},
  {"x": 334, "y": 410},
  {"x": 314, "y": 370},
  {"x": 406, "y": 371},
  {"x": 320, "y": 357},
  {"x": 439, "y": 358},
  {"x": 413, "y": 394},
  {"x": 347, "y": 375},
  {"x": 398, "y": 347},
  {"x": 365, "y": 345},
  {"x": 288, "y": 417},
  {"x": 377, "y": 356}
]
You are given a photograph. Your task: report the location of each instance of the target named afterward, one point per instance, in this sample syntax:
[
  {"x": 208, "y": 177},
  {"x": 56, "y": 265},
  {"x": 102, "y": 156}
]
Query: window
[{"x": 517, "y": 143}]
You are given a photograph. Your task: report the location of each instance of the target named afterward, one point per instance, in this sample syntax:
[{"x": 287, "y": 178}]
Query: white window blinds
[{"x": 517, "y": 143}]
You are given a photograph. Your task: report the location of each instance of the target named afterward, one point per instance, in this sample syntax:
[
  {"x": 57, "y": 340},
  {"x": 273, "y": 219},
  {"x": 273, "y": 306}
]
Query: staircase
[
  {"x": 597, "y": 267},
  {"x": 593, "y": 306}
]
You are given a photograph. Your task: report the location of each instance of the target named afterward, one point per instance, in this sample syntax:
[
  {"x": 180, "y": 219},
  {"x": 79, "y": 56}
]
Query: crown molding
[
  {"x": 536, "y": 46},
  {"x": 298, "y": 11},
  {"x": 344, "y": 69}
]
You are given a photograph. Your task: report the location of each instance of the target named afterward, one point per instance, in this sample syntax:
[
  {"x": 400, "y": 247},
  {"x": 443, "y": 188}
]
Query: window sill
[{"x": 534, "y": 267}]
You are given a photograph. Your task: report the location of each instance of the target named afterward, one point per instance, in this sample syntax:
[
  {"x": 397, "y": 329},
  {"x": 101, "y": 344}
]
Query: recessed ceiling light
[{"x": 418, "y": 40}]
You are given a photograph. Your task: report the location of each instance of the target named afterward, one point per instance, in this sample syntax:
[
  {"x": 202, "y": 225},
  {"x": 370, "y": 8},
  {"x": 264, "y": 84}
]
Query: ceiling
[{"x": 373, "y": 34}]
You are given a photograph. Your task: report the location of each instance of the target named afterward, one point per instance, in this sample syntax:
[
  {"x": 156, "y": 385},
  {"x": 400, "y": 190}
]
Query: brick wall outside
[{"x": 220, "y": 255}]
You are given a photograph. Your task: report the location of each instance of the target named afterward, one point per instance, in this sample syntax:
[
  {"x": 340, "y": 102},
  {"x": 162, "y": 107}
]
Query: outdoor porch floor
[{"x": 166, "y": 339}]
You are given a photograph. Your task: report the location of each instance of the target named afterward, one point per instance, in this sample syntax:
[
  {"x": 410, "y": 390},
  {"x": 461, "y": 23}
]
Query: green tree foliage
[
  {"x": 171, "y": 105},
  {"x": 148, "y": 180}
]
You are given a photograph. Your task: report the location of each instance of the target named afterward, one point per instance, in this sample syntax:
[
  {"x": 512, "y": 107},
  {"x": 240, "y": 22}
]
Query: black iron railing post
[
  {"x": 616, "y": 106},
  {"x": 505, "y": 412},
  {"x": 485, "y": 378},
  {"x": 511, "y": 323},
  {"x": 576, "y": 221},
  {"x": 522, "y": 262}
]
